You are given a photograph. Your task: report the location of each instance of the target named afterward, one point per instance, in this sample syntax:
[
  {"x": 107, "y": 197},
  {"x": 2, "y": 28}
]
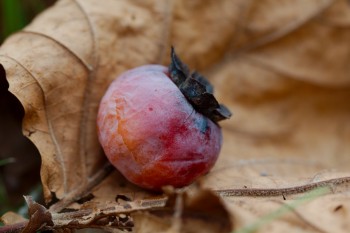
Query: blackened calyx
[{"x": 197, "y": 90}]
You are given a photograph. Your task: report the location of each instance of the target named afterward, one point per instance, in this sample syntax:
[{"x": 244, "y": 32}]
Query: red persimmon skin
[{"x": 152, "y": 134}]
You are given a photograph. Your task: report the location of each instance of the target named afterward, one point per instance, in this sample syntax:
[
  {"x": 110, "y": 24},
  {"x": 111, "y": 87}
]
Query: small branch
[
  {"x": 261, "y": 192},
  {"x": 80, "y": 192}
]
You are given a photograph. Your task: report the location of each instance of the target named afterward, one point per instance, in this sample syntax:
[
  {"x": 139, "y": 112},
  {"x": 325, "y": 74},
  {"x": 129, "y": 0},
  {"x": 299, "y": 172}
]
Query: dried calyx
[{"x": 197, "y": 90}]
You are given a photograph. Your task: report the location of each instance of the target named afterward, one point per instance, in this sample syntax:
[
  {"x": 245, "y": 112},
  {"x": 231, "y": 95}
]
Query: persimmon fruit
[{"x": 158, "y": 125}]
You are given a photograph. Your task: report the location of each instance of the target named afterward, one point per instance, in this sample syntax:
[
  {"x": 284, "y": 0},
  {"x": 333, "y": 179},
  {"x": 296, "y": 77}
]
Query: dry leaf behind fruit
[
  {"x": 281, "y": 67},
  {"x": 59, "y": 67}
]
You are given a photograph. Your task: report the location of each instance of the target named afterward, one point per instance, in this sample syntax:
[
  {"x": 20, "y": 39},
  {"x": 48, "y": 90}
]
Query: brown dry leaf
[
  {"x": 282, "y": 67},
  {"x": 59, "y": 67}
]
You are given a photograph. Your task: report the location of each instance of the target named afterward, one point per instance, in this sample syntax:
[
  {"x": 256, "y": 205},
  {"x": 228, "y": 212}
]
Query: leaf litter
[{"x": 281, "y": 67}]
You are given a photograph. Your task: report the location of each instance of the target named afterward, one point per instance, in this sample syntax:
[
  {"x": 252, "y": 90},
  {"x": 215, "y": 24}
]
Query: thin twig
[
  {"x": 262, "y": 192},
  {"x": 80, "y": 192}
]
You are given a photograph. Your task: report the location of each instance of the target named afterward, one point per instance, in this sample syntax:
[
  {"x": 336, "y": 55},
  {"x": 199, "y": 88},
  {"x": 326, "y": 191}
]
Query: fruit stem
[{"x": 197, "y": 90}]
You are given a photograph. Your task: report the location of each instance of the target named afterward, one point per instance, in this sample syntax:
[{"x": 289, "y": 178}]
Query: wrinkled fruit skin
[{"x": 151, "y": 133}]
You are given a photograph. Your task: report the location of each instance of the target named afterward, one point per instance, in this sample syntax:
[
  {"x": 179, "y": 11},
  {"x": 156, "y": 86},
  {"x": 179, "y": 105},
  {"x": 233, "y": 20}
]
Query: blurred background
[
  {"x": 19, "y": 159},
  {"x": 15, "y": 14}
]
